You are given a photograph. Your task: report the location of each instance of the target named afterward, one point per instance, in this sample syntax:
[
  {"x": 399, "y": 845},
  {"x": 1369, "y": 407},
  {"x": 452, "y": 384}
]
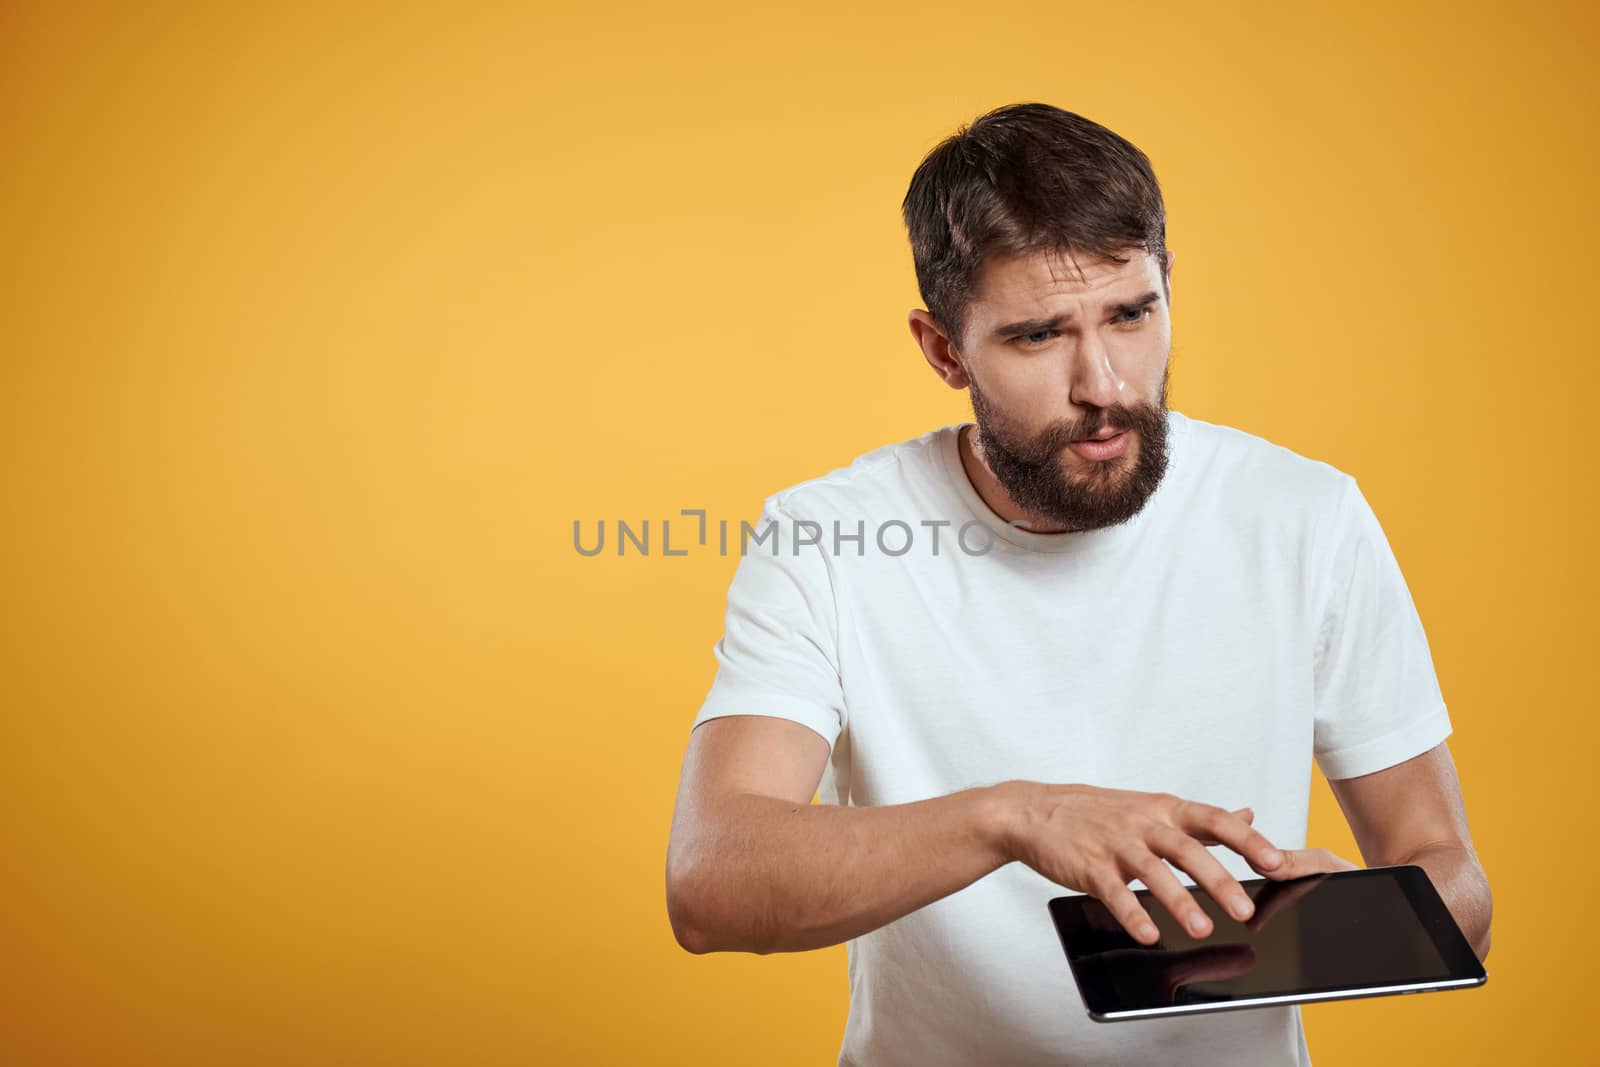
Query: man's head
[{"x": 1039, "y": 244}]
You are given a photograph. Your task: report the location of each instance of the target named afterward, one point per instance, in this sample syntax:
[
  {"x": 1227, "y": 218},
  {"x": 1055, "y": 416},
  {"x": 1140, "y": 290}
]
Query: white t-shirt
[{"x": 1250, "y": 617}]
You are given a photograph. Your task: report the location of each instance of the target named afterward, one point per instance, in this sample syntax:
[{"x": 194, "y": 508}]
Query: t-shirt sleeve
[
  {"x": 778, "y": 654},
  {"x": 1377, "y": 698}
]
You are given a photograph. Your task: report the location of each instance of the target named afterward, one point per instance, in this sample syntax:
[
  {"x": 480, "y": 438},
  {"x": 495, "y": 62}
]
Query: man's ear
[
  {"x": 936, "y": 348},
  {"x": 1167, "y": 277}
]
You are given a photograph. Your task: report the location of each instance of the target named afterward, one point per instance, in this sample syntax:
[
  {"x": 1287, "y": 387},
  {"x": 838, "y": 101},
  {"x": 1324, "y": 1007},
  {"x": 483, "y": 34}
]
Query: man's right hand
[{"x": 1097, "y": 840}]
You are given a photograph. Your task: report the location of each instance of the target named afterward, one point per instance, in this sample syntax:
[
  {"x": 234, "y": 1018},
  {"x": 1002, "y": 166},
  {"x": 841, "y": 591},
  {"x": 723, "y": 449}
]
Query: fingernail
[
  {"x": 1271, "y": 857},
  {"x": 1240, "y": 907},
  {"x": 1197, "y": 925},
  {"x": 1147, "y": 932}
]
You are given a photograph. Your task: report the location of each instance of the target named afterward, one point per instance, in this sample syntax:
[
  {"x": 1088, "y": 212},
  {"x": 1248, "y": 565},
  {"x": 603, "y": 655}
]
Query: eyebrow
[{"x": 1026, "y": 326}]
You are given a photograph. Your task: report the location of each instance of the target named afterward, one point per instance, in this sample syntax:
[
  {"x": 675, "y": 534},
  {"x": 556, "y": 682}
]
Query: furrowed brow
[{"x": 1026, "y": 326}]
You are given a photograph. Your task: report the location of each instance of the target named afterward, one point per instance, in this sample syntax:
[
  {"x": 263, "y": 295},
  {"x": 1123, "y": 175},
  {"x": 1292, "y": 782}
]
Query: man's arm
[
  {"x": 754, "y": 866},
  {"x": 1413, "y": 813}
]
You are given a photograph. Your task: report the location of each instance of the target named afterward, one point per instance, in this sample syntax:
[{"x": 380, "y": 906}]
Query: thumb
[{"x": 1304, "y": 861}]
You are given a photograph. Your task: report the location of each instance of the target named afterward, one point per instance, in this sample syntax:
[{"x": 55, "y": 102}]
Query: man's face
[{"x": 1050, "y": 360}]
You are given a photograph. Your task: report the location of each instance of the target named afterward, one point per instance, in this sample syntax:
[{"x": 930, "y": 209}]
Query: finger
[
  {"x": 1226, "y": 828},
  {"x": 1335, "y": 862},
  {"x": 1157, "y": 877},
  {"x": 1124, "y": 906},
  {"x": 1303, "y": 861},
  {"x": 1294, "y": 864},
  {"x": 1185, "y": 852},
  {"x": 1246, "y": 814}
]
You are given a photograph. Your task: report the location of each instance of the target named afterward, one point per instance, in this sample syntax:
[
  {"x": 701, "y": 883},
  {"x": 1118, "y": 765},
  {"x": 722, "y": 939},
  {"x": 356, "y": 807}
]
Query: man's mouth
[{"x": 1107, "y": 445}]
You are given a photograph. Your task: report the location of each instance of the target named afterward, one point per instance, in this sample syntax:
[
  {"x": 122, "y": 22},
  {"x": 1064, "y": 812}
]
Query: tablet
[{"x": 1362, "y": 933}]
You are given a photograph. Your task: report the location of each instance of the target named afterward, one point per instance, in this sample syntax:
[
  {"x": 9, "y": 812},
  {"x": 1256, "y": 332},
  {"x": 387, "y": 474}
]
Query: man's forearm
[
  {"x": 1459, "y": 878},
  {"x": 784, "y": 877}
]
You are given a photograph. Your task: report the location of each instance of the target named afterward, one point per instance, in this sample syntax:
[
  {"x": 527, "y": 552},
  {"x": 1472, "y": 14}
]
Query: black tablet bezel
[{"x": 1465, "y": 969}]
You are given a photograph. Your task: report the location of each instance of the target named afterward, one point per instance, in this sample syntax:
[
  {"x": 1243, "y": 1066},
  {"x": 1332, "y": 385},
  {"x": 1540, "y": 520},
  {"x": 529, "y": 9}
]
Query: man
[{"x": 1117, "y": 664}]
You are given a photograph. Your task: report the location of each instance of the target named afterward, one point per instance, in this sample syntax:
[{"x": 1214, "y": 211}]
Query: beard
[{"x": 1045, "y": 478}]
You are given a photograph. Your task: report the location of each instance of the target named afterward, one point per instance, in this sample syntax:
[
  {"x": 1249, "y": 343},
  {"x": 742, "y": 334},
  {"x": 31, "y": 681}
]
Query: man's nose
[{"x": 1093, "y": 380}]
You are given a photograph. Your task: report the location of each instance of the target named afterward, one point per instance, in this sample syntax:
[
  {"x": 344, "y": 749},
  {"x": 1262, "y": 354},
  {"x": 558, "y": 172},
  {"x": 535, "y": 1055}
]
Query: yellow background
[{"x": 321, "y": 744}]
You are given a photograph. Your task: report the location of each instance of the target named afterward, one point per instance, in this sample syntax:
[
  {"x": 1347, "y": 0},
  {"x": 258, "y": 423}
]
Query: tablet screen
[{"x": 1352, "y": 933}]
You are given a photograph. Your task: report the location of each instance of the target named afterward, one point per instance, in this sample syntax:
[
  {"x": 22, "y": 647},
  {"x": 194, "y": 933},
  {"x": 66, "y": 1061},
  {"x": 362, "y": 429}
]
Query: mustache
[
  {"x": 1061, "y": 434},
  {"x": 1100, "y": 427}
]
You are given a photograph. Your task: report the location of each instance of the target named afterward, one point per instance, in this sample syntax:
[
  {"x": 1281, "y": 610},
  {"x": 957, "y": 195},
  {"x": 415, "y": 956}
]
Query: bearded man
[{"x": 1138, "y": 632}]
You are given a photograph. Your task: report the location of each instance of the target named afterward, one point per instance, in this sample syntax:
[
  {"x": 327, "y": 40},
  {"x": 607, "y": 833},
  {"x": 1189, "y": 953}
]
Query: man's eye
[{"x": 1125, "y": 317}]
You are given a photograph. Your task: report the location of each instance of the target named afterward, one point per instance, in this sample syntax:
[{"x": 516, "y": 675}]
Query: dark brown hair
[{"x": 1022, "y": 179}]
